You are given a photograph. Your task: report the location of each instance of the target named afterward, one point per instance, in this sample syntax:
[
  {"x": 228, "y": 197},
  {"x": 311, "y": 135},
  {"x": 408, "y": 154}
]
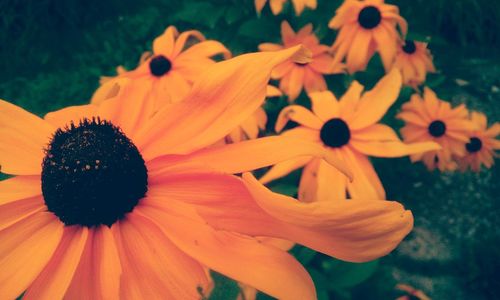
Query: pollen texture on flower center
[
  {"x": 160, "y": 65},
  {"x": 409, "y": 47},
  {"x": 92, "y": 174},
  {"x": 369, "y": 17},
  {"x": 437, "y": 128},
  {"x": 474, "y": 145},
  {"x": 335, "y": 133}
]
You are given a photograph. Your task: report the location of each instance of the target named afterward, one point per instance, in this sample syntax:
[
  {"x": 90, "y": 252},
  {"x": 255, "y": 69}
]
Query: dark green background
[{"x": 53, "y": 52}]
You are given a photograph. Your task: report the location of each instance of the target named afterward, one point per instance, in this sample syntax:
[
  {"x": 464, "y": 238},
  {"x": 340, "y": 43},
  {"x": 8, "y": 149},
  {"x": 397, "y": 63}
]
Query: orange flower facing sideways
[
  {"x": 250, "y": 128},
  {"x": 414, "y": 61},
  {"x": 433, "y": 119},
  {"x": 483, "y": 142},
  {"x": 108, "y": 202},
  {"x": 277, "y": 5},
  {"x": 295, "y": 76},
  {"x": 348, "y": 128},
  {"x": 366, "y": 27},
  {"x": 171, "y": 68}
]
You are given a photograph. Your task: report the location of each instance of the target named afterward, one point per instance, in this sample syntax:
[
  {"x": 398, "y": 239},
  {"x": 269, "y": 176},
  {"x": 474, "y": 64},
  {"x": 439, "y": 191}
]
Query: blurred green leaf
[
  {"x": 225, "y": 288},
  {"x": 285, "y": 189},
  {"x": 346, "y": 275},
  {"x": 262, "y": 30},
  {"x": 304, "y": 255},
  {"x": 200, "y": 13}
]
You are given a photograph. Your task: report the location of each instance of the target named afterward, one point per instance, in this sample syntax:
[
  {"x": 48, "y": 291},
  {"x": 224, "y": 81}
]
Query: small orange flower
[
  {"x": 108, "y": 202},
  {"x": 414, "y": 61},
  {"x": 480, "y": 150},
  {"x": 366, "y": 27},
  {"x": 277, "y": 5},
  {"x": 433, "y": 119},
  {"x": 295, "y": 76},
  {"x": 348, "y": 128},
  {"x": 171, "y": 69},
  {"x": 412, "y": 293}
]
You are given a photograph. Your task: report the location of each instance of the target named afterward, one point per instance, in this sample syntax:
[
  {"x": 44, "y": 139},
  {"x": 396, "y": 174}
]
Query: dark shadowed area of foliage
[{"x": 53, "y": 52}]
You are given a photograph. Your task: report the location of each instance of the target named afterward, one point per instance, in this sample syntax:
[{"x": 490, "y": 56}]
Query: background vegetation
[{"x": 53, "y": 52}]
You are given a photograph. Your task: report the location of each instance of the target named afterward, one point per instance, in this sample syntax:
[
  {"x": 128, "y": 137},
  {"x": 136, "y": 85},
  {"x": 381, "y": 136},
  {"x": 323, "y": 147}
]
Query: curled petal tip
[{"x": 303, "y": 55}]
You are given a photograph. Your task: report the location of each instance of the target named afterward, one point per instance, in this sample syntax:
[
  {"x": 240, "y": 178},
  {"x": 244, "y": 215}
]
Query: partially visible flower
[
  {"x": 366, "y": 27},
  {"x": 295, "y": 76},
  {"x": 120, "y": 70},
  {"x": 277, "y": 5},
  {"x": 350, "y": 131},
  {"x": 412, "y": 293},
  {"x": 414, "y": 61},
  {"x": 480, "y": 150},
  {"x": 250, "y": 128},
  {"x": 433, "y": 119},
  {"x": 108, "y": 202},
  {"x": 172, "y": 67}
]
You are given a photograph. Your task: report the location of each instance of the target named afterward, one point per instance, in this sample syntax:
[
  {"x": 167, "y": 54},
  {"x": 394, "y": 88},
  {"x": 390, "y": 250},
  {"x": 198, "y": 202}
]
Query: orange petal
[
  {"x": 287, "y": 33},
  {"x": 16, "y": 211},
  {"x": 284, "y": 168},
  {"x": 299, "y": 114},
  {"x": 244, "y": 259},
  {"x": 375, "y": 103},
  {"x": 55, "y": 278},
  {"x": 386, "y": 45},
  {"x": 23, "y": 136},
  {"x": 72, "y": 114},
  {"x": 98, "y": 273},
  {"x": 205, "y": 49},
  {"x": 295, "y": 84},
  {"x": 366, "y": 183},
  {"x": 357, "y": 57},
  {"x": 259, "y": 5},
  {"x": 392, "y": 148},
  {"x": 223, "y": 97},
  {"x": 308, "y": 185},
  {"x": 164, "y": 44},
  {"x": 331, "y": 184},
  {"x": 19, "y": 187},
  {"x": 153, "y": 267},
  {"x": 376, "y": 132},
  {"x": 325, "y": 105},
  {"x": 108, "y": 90},
  {"x": 180, "y": 43},
  {"x": 26, "y": 248},
  {"x": 270, "y": 47}
]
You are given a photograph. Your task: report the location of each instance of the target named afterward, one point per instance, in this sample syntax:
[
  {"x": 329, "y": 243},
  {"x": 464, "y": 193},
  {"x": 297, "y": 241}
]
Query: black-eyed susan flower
[
  {"x": 109, "y": 203},
  {"x": 277, "y": 5},
  {"x": 483, "y": 142},
  {"x": 366, "y": 27},
  {"x": 433, "y": 119},
  {"x": 414, "y": 61},
  {"x": 250, "y": 128},
  {"x": 296, "y": 76},
  {"x": 172, "y": 67},
  {"x": 350, "y": 131}
]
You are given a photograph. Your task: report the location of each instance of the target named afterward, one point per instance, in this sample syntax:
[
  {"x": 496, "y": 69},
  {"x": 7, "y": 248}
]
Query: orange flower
[
  {"x": 277, "y": 5},
  {"x": 249, "y": 129},
  {"x": 366, "y": 27},
  {"x": 120, "y": 205},
  {"x": 348, "y": 129},
  {"x": 412, "y": 293},
  {"x": 432, "y": 119},
  {"x": 414, "y": 61},
  {"x": 294, "y": 76},
  {"x": 171, "y": 69},
  {"x": 480, "y": 150}
]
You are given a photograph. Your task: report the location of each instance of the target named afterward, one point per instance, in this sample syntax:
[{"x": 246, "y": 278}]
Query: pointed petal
[
  {"x": 205, "y": 49},
  {"x": 164, "y": 44},
  {"x": 325, "y": 105},
  {"x": 375, "y": 132},
  {"x": 284, "y": 168},
  {"x": 392, "y": 148},
  {"x": 223, "y": 97},
  {"x": 299, "y": 114},
  {"x": 366, "y": 183},
  {"x": 23, "y": 136},
  {"x": 180, "y": 43},
  {"x": 16, "y": 211},
  {"x": 375, "y": 103}
]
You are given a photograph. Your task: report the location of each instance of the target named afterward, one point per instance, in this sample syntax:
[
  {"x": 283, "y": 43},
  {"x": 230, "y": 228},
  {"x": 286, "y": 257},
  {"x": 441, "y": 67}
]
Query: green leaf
[
  {"x": 225, "y": 288},
  {"x": 304, "y": 255},
  {"x": 285, "y": 189},
  {"x": 346, "y": 275}
]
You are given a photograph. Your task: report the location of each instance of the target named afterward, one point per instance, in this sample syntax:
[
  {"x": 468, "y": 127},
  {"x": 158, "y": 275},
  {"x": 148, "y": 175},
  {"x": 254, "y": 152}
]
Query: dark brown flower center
[
  {"x": 92, "y": 174},
  {"x": 335, "y": 133},
  {"x": 369, "y": 17},
  {"x": 474, "y": 145},
  {"x": 160, "y": 65},
  {"x": 409, "y": 47},
  {"x": 437, "y": 128}
]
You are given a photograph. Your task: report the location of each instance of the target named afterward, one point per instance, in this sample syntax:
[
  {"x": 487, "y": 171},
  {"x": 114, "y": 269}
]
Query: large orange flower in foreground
[
  {"x": 432, "y": 119},
  {"x": 483, "y": 142},
  {"x": 348, "y": 129},
  {"x": 277, "y": 5},
  {"x": 295, "y": 76},
  {"x": 172, "y": 68},
  {"x": 414, "y": 61},
  {"x": 366, "y": 27},
  {"x": 121, "y": 206}
]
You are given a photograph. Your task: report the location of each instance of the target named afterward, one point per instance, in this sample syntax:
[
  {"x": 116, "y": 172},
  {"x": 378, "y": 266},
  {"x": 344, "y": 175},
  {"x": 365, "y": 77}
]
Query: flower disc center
[
  {"x": 437, "y": 128},
  {"x": 409, "y": 47},
  {"x": 474, "y": 145},
  {"x": 92, "y": 174},
  {"x": 160, "y": 65},
  {"x": 335, "y": 133},
  {"x": 369, "y": 17}
]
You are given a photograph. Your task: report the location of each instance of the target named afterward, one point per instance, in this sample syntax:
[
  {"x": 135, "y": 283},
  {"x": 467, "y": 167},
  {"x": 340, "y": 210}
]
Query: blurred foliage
[{"x": 53, "y": 52}]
